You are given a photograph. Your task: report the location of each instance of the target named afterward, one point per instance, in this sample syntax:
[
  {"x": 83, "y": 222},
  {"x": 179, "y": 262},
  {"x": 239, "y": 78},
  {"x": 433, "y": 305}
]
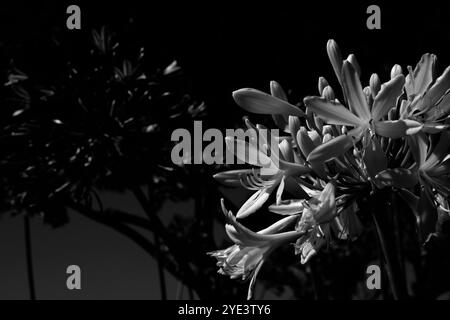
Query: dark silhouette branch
[
  {"x": 117, "y": 221},
  {"x": 176, "y": 248},
  {"x": 29, "y": 257}
]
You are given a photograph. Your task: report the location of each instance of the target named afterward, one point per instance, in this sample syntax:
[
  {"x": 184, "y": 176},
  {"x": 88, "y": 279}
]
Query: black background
[{"x": 222, "y": 46}]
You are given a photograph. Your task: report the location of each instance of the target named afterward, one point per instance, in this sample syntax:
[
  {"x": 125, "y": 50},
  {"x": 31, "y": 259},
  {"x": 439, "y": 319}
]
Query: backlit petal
[
  {"x": 397, "y": 128},
  {"x": 387, "y": 97},
  {"x": 332, "y": 112},
  {"x": 335, "y": 147},
  {"x": 257, "y": 101},
  {"x": 354, "y": 92}
]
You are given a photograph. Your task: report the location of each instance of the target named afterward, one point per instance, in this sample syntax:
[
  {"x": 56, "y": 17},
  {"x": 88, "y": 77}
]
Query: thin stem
[
  {"x": 387, "y": 257},
  {"x": 162, "y": 277},
  {"x": 180, "y": 289},
  {"x": 398, "y": 237},
  {"x": 315, "y": 285},
  {"x": 163, "y": 235},
  {"x": 29, "y": 257}
]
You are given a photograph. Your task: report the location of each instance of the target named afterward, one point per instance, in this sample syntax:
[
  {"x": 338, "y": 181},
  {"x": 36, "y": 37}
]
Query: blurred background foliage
[{"x": 92, "y": 110}]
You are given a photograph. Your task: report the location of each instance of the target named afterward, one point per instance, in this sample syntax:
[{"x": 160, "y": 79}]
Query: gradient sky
[{"x": 112, "y": 266}]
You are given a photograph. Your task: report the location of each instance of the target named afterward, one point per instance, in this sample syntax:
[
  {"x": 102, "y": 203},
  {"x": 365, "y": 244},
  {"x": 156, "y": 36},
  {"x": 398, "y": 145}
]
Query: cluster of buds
[{"x": 333, "y": 153}]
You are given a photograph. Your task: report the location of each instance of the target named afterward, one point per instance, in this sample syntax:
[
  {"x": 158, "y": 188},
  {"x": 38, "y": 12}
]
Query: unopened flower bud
[
  {"x": 277, "y": 91},
  {"x": 327, "y": 130},
  {"x": 335, "y": 57},
  {"x": 304, "y": 141},
  {"x": 395, "y": 71},
  {"x": 318, "y": 122},
  {"x": 322, "y": 84},
  {"x": 368, "y": 94},
  {"x": 328, "y": 93},
  {"x": 392, "y": 114},
  {"x": 310, "y": 119},
  {"x": 375, "y": 84},
  {"x": 326, "y": 137},
  {"x": 294, "y": 125},
  {"x": 344, "y": 130},
  {"x": 352, "y": 59}
]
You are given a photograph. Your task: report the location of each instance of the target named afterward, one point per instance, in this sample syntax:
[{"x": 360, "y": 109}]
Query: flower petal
[
  {"x": 304, "y": 142},
  {"x": 335, "y": 147},
  {"x": 440, "y": 151},
  {"x": 280, "y": 190},
  {"x": 232, "y": 177},
  {"x": 419, "y": 81},
  {"x": 309, "y": 245},
  {"x": 248, "y": 152},
  {"x": 418, "y": 144},
  {"x": 255, "y": 202},
  {"x": 257, "y": 101},
  {"x": 252, "y": 283},
  {"x": 397, "y": 128},
  {"x": 292, "y": 168},
  {"x": 440, "y": 170},
  {"x": 438, "y": 89},
  {"x": 354, "y": 92},
  {"x": 287, "y": 207},
  {"x": 432, "y": 128},
  {"x": 279, "y": 225},
  {"x": 332, "y": 112},
  {"x": 440, "y": 110},
  {"x": 387, "y": 97},
  {"x": 281, "y": 120},
  {"x": 335, "y": 58}
]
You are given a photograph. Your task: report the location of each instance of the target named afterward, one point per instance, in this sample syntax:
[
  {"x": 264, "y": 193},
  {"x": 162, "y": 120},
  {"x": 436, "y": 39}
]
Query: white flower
[{"x": 245, "y": 258}]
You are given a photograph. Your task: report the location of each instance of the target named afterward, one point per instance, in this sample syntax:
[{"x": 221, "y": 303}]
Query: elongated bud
[
  {"x": 375, "y": 84},
  {"x": 403, "y": 106},
  {"x": 310, "y": 119},
  {"x": 277, "y": 91},
  {"x": 318, "y": 122},
  {"x": 294, "y": 125},
  {"x": 391, "y": 114},
  {"x": 286, "y": 150},
  {"x": 230, "y": 178},
  {"x": 304, "y": 141},
  {"x": 322, "y": 84},
  {"x": 344, "y": 130},
  {"x": 334, "y": 54},
  {"x": 352, "y": 59},
  {"x": 326, "y": 137},
  {"x": 328, "y": 93},
  {"x": 368, "y": 94},
  {"x": 327, "y": 130},
  {"x": 396, "y": 70}
]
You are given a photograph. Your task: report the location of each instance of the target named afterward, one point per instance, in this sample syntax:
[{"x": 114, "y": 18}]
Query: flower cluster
[{"x": 335, "y": 152}]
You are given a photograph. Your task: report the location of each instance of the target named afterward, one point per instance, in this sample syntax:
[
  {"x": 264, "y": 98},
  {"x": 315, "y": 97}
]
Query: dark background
[{"x": 222, "y": 46}]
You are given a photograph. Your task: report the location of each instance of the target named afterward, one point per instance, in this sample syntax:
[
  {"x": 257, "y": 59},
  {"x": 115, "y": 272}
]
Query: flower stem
[
  {"x": 162, "y": 277},
  {"x": 29, "y": 258},
  {"x": 392, "y": 265}
]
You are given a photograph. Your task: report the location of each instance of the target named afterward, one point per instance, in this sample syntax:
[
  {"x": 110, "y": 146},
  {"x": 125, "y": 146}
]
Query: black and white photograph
[{"x": 224, "y": 151}]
